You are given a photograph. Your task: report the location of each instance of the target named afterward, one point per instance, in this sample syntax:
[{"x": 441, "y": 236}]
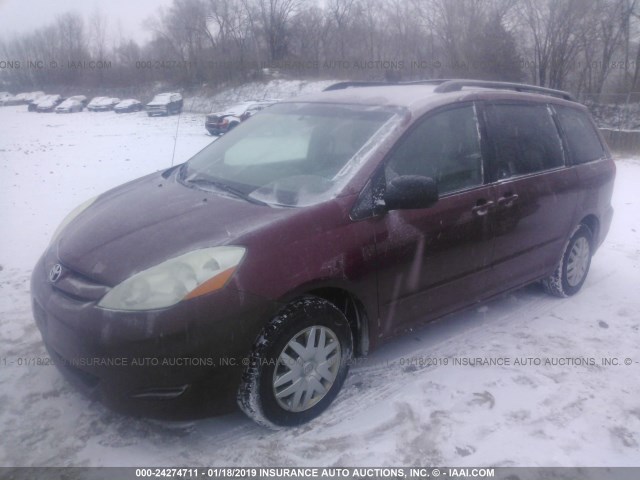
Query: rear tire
[
  {"x": 571, "y": 272},
  {"x": 297, "y": 365}
]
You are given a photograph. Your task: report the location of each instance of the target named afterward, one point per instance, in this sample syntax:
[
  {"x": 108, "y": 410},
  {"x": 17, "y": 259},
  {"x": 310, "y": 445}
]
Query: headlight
[
  {"x": 181, "y": 278},
  {"x": 73, "y": 214}
]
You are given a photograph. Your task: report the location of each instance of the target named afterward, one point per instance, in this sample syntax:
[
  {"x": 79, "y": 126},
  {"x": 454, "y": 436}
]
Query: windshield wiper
[{"x": 227, "y": 188}]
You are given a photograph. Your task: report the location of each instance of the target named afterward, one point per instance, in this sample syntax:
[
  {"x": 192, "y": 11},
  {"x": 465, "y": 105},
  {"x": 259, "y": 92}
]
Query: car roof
[{"x": 419, "y": 97}]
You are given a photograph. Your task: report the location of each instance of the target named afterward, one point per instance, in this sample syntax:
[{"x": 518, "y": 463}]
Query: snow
[
  {"x": 278, "y": 89},
  {"x": 395, "y": 408}
]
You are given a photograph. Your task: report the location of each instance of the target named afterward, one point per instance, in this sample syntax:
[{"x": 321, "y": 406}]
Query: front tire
[
  {"x": 571, "y": 272},
  {"x": 297, "y": 365}
]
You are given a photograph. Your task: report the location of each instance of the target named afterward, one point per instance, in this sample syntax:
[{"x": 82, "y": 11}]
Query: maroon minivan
[{"x": 252, "y": 274}]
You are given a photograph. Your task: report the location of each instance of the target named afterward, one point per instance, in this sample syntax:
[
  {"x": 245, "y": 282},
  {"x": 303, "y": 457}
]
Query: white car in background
[
  {"x": 47, "y": 103},
  {"x": 165, "y": 104},
  {"x": 71, "y": 105}
]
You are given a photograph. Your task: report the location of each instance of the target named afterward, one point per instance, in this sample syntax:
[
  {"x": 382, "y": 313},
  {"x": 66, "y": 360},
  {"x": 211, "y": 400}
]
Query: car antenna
[{"x": 175, "y": 138}]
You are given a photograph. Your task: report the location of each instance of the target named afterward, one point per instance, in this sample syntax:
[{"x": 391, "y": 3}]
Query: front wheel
[
  {"x": 572, "y": 270},
  {"x": 298, "y": 364}
]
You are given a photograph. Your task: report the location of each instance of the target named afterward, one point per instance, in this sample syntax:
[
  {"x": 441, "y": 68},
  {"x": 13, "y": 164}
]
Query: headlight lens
[
  {"x": 73, "y": 214},
  {"x": 181, "y": 278}
]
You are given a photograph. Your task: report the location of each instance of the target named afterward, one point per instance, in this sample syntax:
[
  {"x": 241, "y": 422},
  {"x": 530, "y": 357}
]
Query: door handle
[
  {"x": 482, "y": 207},
  {"x": 508, "y": 200}
]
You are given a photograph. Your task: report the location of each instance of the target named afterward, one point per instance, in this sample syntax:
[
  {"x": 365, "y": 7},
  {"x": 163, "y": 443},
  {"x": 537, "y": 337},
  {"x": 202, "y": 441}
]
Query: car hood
[
  {"x": 152, "y": 219},
  {"x": 47, "y": 103},
  {"x": 159, "y": 103},
  {"x": 214, "y": 116}
]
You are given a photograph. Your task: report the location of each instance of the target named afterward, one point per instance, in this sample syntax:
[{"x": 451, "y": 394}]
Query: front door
[{"x": 433, "y": 260}]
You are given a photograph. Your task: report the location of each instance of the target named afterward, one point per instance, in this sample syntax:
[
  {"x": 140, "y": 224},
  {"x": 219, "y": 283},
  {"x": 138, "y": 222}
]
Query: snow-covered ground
[{"x": 392, "y": 411}]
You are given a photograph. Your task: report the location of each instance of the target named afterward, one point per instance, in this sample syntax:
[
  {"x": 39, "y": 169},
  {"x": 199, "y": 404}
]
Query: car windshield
[
  {"x": 163, "y": 97},
  {"x": 292, "y": 154}
]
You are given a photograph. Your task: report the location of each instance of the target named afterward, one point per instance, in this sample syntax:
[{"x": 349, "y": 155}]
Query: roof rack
[
  {"x": 344, "y": 85},
  {"x": 444, "y": 85},
  {"x": 349, "y": 84},
  {"x": 457, "y": 85}
]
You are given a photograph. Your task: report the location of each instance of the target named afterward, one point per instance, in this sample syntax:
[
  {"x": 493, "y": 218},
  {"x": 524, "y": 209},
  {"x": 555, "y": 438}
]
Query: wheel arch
[
  {"x": 350, "y": 306},
  {"x": 593, "y": 224}
]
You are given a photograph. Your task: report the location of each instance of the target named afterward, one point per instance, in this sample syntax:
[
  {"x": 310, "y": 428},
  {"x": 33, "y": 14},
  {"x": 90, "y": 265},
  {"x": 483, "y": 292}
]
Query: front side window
[
  {"x": 445, "y": 147},
  {"x": 293, "y": 154},
  {"x": 524, "y": 139}
]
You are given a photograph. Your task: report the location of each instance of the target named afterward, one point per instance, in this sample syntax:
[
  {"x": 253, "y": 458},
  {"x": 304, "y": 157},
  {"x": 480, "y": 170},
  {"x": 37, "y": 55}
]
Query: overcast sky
[{"x": 23, "y": 16}]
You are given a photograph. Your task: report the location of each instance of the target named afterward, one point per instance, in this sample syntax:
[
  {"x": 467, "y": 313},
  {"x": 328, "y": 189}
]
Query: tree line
[{"x": 586, "y": 46}]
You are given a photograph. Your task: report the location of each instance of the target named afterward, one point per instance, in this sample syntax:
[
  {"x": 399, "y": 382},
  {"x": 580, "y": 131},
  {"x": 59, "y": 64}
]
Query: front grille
[{"x": 78, "y": 287}]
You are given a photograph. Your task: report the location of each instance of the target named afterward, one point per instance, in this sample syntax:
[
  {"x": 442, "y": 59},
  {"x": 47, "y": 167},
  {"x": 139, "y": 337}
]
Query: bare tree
[
  {"x": 554, "y": 27},
  {"x": 275, "y": 17}
]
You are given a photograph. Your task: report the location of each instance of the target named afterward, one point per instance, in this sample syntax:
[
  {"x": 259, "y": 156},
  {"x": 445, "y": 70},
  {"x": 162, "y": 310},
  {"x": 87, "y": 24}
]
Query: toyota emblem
[{"x": 55, "y": 273}]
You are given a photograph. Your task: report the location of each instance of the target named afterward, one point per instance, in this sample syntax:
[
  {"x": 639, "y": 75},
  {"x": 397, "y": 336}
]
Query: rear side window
[
  {"x": 582, "y": 139},
  {"x": 524, "y": 138}
]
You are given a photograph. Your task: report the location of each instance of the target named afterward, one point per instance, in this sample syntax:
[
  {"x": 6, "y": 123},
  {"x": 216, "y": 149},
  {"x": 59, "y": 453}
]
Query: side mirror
[{"x": 409, "y": 192}]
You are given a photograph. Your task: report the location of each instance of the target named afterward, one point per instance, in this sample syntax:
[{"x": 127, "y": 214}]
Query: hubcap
[
  {"x": 578, "y": 261},
  {"x": 306, "y": 368}
]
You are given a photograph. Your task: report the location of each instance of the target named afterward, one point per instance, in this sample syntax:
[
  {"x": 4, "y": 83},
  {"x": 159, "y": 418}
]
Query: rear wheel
[
  {"x": 298, "y": 365},
  {"x": 571, "y": 272}
]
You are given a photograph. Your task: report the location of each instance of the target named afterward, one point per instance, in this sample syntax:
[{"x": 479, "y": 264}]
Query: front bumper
[{"x": 182, "y": 362}]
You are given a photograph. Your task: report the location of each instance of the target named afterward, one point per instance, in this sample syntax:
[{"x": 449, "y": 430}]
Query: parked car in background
[
  {"x": 48, "y": 103},
  {"x": 80, "y": 98},
  {"x": 70, "y": 105},
  {"x": 221, "y": 122},
  {"x": 22, "y": 97},
  {"x": 323, "y": 227},
  {"x": 129, "y": 105},
  {"x": 33, "y": 104},
  {"x": 5, "y": 96},
  {"x": 30, "y": 98},
  {"x": 11, "y": 100},
  {"x": 102, "y": 104},
  {"x": 165, "y": 104},
  {"x": 33, "y": 96}
]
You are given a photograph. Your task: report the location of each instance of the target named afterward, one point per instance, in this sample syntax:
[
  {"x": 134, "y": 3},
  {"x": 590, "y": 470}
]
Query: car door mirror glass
[{"x": 410, "y": 192}]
